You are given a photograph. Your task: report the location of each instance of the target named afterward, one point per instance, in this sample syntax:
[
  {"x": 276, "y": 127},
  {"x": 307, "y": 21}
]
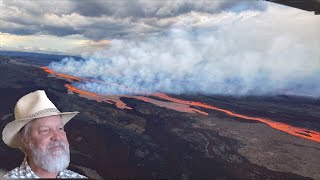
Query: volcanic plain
[{"x": 172, "y": 138}]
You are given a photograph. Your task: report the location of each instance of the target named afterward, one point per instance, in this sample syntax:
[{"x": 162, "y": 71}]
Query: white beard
[{"x": 55, "y": 161}]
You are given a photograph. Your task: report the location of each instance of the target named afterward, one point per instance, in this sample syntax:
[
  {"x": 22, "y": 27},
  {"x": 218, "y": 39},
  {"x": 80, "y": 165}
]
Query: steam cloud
[{"x": 247, "y": 53}]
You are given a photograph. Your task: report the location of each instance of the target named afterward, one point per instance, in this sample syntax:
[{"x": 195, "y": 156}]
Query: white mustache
[{"x": 54, "y": 144}]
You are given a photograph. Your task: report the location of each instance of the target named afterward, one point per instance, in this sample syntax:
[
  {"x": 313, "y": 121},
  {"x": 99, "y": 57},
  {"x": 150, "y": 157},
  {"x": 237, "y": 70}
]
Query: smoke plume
[{"x": 247, "y": 53}]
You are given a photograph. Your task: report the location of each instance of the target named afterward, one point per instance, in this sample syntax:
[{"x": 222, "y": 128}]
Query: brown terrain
[{"x": 169, "y": 136}]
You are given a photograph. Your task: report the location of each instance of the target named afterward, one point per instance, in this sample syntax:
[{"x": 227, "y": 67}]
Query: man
[{"x": 38, "y": 130}]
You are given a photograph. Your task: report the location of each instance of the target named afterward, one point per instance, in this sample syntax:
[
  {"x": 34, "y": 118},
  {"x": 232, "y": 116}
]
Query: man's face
[
  {"x": 47, "y": 144},
  {"x": 46, "y": 131}
]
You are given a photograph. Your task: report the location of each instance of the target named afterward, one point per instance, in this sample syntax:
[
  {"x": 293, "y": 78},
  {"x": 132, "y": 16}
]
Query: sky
[
  {"x": 72, "y": 27},
  {"x": 234, "y": 47}
]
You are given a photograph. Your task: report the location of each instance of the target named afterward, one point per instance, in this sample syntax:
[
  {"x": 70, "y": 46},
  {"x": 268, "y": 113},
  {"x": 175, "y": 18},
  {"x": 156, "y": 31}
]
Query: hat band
[{"x": 44, "y": 111}]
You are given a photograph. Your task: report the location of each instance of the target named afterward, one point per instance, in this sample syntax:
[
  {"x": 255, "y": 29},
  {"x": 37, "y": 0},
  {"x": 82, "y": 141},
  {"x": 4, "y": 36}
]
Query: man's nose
[{"x": 56, "y": 135}]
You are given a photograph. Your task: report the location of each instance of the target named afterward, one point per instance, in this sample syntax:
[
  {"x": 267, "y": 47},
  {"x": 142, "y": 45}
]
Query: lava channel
[
  {"x": 184, "y": 106},
  {"x": 295, "y": 131}
]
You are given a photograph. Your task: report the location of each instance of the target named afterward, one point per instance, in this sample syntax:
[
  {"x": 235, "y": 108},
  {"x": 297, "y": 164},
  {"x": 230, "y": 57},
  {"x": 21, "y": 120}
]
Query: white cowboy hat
[{"x": 31, "y": 106}]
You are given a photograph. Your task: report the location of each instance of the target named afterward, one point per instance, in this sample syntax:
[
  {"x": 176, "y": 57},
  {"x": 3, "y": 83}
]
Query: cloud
[
  {"x": 73, "y": 44},
  {"x": 98, "y": 19},
  {"x": 247, "y": 53}
]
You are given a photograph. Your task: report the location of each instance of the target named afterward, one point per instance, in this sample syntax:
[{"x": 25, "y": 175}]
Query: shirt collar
[{"x": 25, "y": 166}]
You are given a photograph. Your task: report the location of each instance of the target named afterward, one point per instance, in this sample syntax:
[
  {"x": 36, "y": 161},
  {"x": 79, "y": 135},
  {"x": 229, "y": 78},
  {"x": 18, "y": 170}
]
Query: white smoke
[{"x": 247, "y": 53}]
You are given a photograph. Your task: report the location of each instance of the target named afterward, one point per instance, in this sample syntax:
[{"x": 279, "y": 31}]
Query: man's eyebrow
[{"x": 43, "y": 127}]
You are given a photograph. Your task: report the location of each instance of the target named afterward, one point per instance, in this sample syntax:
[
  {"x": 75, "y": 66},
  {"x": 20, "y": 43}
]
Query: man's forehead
[{"x": 49, "y": 120}]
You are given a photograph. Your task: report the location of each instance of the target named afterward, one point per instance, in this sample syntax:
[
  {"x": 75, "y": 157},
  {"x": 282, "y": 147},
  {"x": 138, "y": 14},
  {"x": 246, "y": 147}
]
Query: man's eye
[
  {"x": 61, "y": 129},
  {"x": 42, "y": 131}
]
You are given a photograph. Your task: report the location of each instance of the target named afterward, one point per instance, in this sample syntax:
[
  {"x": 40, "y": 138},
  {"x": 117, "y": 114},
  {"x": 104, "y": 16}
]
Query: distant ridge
[
  {"x": 36, "y": 58},
  {"x": 35, "y": 55}
]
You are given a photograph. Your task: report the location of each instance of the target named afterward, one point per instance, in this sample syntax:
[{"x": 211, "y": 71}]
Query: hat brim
[{"x": 10, "y": 132}]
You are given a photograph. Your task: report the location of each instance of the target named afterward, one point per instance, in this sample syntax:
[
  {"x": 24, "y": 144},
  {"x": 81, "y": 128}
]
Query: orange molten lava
[
  {"x": 110, "y": 99},
  {"x": 65, "y": 76},
  {"x": 74, "y": 89},
  {"x": 296, "y": 131},
  {"x": 121, "y": 105},
  {"x": 69, "y": 77},
  {"x": 169, "y": 105},
  {"x": 73, "y": 78},
  {"x": 46, "y": 69},
  {"x": 182, "y": 106}
]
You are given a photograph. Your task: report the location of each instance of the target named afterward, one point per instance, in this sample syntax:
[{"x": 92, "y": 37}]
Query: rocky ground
[{"x": 155, "y": 142}]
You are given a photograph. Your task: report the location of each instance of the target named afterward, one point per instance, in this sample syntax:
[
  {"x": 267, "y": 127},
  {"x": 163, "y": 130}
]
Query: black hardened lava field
[{"x": 169, "y": 138}]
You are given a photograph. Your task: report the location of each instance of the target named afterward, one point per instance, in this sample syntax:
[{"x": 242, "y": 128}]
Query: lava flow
[
  {"x": 65, "y": 76},
  {"x": 300, "y": 132},
  {"x": 116, "y": 99},
  {"x": 113, "y": 99},
  {"x": 46, "y": 69},
  {"x": 181, "y": 106}
]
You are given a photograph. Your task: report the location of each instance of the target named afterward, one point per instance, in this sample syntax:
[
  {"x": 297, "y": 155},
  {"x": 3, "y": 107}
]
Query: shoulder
[
  {"x": 19, "y": 172},
  {"x": 70, "y": 174},
  {"x": 14, "y": 173}
]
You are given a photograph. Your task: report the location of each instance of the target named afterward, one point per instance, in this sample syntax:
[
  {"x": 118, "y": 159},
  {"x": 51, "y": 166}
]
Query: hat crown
[{"x": 31, "y": 104}]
